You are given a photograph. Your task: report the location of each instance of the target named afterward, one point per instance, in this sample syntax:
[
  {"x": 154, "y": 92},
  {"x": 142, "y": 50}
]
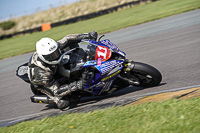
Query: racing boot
[
  {"x": 64, "y": 90},
  {"x": 63, "y": 103}
]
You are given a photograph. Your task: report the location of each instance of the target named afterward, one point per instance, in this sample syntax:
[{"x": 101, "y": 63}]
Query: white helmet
[{"x": 48, "y": 51}]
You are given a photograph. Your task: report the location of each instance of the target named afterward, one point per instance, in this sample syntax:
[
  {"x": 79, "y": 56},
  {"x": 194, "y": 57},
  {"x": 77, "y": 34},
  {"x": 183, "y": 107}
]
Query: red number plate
[{"x": 103, "y": 52}]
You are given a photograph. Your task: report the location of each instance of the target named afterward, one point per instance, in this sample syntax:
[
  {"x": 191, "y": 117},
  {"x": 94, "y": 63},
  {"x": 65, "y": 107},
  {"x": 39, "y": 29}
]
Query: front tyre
[{"x": 145, "y": 75}]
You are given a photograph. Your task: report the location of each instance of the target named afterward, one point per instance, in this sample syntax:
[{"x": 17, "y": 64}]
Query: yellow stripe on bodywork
[{"x": 110, "y": 76}]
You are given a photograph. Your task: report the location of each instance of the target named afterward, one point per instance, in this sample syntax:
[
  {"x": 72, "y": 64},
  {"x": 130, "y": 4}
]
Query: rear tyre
[{"x": 145, "y": 75}]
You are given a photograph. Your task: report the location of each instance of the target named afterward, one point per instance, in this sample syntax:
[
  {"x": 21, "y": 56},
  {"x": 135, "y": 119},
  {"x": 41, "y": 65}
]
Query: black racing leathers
[{"x": 42, "y": 74}]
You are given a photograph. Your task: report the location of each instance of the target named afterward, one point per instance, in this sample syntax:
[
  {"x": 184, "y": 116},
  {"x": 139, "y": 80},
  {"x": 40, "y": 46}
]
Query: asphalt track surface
[{"x": 172, "y": 45}]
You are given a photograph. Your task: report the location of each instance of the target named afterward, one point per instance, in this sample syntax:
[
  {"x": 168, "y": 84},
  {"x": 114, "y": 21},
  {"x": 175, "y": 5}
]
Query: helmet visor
[{"x": 53, "y": 56}]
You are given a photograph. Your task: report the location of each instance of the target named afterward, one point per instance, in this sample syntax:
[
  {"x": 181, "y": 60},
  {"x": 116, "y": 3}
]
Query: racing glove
[{"x": 93, "y": 35}]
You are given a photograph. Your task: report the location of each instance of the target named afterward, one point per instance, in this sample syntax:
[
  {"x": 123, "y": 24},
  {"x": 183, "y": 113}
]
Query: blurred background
[
  {"x": 11, "y": 8},
  {"x": 22, "y": 15}
]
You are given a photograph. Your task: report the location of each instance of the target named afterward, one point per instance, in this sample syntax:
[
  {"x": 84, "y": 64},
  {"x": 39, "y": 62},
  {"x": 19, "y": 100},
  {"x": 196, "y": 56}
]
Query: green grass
[
  {"x": 124, "y": 18},
  {"x": 176, "y": 116}
]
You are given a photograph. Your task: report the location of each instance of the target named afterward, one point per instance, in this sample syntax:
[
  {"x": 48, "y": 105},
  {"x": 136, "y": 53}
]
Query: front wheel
[{"x": 144, "y": 75}]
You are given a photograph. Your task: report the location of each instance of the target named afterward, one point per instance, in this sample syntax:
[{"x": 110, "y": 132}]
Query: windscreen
[{"x": 77, "y": 58}]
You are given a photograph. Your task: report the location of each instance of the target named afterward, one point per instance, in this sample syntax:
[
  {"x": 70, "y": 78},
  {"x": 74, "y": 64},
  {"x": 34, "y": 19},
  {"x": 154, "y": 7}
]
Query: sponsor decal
[
  {"x": 113, "y": 46},
  {"x": 22, "y": 70},
  {"x": 108, "y": 66},
  {"x": 103, "y": 52},
  {"x": 110, "y": 44},
  {"x": 90, "y": 63},
  {"x": 52, "y": 48}
]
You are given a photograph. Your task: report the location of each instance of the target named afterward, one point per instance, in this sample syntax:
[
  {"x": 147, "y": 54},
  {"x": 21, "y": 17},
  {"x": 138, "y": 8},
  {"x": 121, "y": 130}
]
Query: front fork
[
  {"x": 126, "y": 72},
  {"x": 128, "y": 65}
]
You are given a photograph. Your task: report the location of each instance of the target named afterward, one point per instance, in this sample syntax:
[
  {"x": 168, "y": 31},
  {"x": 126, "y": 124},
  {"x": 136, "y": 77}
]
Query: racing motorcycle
[{"x": 107, "y": 69}]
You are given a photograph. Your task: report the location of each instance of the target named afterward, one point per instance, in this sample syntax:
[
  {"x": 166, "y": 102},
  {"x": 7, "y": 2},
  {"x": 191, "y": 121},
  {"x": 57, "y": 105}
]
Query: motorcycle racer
[{"x": 43, "y": 65}]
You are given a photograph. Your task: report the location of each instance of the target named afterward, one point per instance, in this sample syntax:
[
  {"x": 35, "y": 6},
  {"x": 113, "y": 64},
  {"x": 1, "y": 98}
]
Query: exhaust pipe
[{"x": 41, "y": 99}]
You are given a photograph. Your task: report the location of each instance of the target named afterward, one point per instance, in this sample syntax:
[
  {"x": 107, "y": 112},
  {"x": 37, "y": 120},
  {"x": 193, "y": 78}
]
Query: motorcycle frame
[{"x": 108, "y": 71}]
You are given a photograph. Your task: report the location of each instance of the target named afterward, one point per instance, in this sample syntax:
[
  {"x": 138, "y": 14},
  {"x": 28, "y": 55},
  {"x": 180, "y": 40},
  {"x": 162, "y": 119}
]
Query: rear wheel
[{"x": 144, "y": 75}]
